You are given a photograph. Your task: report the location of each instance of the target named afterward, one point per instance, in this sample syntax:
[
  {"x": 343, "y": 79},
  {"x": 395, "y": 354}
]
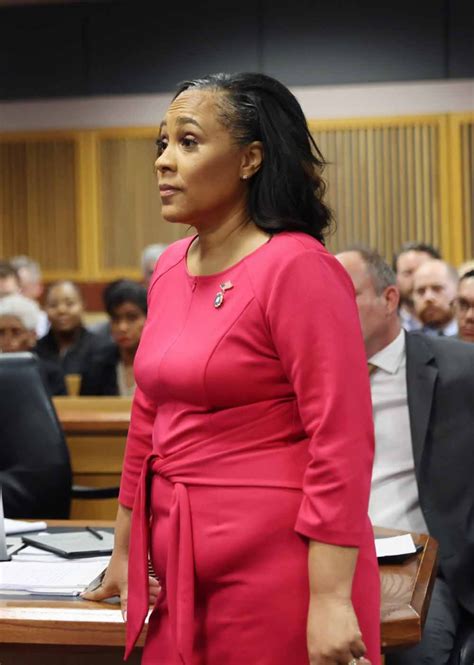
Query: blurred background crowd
[{"x": 92, "y": 354}]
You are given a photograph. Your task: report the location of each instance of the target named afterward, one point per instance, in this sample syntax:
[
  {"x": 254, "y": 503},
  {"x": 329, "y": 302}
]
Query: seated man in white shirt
[{"x": 423, "y": 403}]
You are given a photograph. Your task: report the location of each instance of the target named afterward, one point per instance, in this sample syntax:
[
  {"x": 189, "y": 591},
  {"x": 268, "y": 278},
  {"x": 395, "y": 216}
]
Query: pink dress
[{"x": 251, "y": 433}]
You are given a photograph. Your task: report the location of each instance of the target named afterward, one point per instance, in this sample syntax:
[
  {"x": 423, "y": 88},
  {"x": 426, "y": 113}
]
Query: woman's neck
[
  {"x": 66, "y": 338},
  {"x": 218, "y": 248},
  {"x": 127, "y": 356}
]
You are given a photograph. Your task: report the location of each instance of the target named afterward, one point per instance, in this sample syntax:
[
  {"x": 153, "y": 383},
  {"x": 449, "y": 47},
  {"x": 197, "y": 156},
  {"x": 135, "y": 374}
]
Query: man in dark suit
[{"x": 423, "y": 402}]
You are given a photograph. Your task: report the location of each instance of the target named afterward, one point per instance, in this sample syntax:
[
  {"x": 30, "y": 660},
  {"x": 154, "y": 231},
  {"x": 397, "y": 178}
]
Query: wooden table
[
  {"x": 406, "y": 591},
  {"x": 74, "y": 632},
  {"x": 96, "y": 431}
]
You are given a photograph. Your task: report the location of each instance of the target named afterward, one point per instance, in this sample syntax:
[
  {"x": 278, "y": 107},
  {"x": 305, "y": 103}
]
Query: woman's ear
[{"x": 252, "y": 158}]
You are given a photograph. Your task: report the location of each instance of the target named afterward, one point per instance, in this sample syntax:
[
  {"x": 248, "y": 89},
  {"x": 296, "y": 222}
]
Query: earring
[{"x": 244, "y": 177}]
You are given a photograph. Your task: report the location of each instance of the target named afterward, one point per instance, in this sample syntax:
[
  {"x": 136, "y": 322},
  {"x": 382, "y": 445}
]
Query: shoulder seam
[{"x": 160, "y": 275}]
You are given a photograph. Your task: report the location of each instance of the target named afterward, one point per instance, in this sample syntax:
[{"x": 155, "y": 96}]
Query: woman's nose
[{"x": 165, "y": 161}]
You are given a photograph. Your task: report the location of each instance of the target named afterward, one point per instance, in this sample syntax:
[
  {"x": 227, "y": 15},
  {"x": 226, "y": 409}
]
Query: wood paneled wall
[
  {"x": 38, "y": 211},
  {"x": 85, "y": 203},
  {"x": 463, "y": 134},
  {"x": 130, "y": 215},
  {"x": 384, "y": 181}
]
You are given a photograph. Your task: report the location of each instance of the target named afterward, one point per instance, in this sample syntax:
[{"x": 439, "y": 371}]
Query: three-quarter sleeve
[
  {"x": 139, "y": 445},
  {"x": 315, "y": 328}
]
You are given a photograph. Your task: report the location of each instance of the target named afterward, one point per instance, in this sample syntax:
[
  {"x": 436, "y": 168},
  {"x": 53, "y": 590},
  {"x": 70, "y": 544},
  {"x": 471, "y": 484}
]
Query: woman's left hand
[{"x": 333, "y": 633}]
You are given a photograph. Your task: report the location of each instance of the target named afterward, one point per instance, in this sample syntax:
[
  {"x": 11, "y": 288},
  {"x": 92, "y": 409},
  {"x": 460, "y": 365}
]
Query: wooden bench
[{"x": 96, "y": 431}]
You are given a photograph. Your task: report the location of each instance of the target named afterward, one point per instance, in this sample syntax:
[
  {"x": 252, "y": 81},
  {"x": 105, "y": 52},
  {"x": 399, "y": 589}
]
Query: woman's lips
[{"x": 166, "y": 190}]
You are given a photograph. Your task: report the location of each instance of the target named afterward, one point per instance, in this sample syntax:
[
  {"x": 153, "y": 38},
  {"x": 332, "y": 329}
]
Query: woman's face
[
  {"x": 199, "y": 166},
  {"x": 64, "y": 308},
  {"x": 126, "y": 324}
]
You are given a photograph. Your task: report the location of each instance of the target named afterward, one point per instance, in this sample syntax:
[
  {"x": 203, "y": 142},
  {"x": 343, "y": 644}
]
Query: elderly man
[
  {"x": 423, "y": 402},
  {"x": 435, "y": 285},
  {"x": 405, "y": 263},
  {"x": 18, "y": 321},
  {"x": 464, "y": 307},
  {"x": 150, "y": 256},
  {"x": 9, "y": 279},
  {"x": 29, "y": 274}
]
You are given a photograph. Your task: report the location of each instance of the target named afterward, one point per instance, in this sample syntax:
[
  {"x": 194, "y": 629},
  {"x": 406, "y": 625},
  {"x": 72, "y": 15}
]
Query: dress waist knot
[{"x": 180, "y": 561}]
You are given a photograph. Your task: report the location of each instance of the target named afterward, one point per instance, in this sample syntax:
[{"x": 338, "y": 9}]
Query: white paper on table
[
  {"x": 394, "y": 545},
  {"x": 18, "y": 526},
  {"x": 64, "y": 578},
  {"x": 30, "y": 553}
]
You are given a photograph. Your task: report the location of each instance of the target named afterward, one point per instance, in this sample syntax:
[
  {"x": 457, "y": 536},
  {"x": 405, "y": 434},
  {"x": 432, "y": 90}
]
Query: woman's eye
[
  {"x": 189, "y": 142},
  {"x": 161, "y": 145}
]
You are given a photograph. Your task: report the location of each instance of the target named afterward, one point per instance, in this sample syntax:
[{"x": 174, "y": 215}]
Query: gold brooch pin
[{"x": 219, "y": 299}]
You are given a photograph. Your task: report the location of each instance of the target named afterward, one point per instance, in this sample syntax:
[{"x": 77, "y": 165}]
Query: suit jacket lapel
[{"x": 421, "y": 380}]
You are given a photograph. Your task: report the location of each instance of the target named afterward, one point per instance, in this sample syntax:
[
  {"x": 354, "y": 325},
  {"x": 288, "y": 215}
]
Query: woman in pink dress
[{"x": 248, "y": 463}]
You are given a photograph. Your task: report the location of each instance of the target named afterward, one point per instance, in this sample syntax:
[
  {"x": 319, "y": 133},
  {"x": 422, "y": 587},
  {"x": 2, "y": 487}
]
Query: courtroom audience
[
  {"x": 150, "y": 256},
  {"x": 423, "y": 404},
  {"x": 111, "y": 369},
  {"x": 29, "y": 273},
  {"x": 464, "y": 306},
  {"x": 9, "y": 279},
  {"x": 435, "y": 285},
  {"x": 18, "y": 322},
  {"x": 405, "y": 263},
  {"x": 67, "y": 342}
]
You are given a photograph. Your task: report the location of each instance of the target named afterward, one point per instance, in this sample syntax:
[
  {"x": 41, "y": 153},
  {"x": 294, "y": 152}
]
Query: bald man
[
  {"x": 435, "y": 286},
  {"x": 423, "y": 403},
  {"x": 9, "y": 280}
]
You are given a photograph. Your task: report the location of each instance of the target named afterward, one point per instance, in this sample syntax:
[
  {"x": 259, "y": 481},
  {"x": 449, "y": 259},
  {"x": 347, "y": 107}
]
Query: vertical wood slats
[
  {"x": 85, "y": 204},
  {"x": 130, "y": 210},
  {"x": 383, "y": 182},
  {"x": 466, "y": 131},
  {"x": 38, "y": 202}
]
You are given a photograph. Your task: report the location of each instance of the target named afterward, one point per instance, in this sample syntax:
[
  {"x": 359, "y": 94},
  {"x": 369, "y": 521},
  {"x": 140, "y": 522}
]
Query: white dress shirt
[
  {"x": 449, "y": 330},
  {"x": 394, "y": 494},
  {"x": 408, "y": 321}
]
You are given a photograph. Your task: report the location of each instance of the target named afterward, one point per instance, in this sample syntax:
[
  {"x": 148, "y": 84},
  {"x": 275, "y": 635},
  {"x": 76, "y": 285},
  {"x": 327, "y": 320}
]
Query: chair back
[{"x": 35, "y": 470}]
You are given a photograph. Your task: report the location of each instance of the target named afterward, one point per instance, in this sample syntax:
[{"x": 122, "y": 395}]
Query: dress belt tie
[{"x": 180, "y": 560}]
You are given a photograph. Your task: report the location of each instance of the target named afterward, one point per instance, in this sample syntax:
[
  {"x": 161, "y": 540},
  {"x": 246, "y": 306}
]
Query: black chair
[
  {"x": 463, "y": 652},
  {"x": 91, "y": 493},
  {"x": 35, "y": 471}
]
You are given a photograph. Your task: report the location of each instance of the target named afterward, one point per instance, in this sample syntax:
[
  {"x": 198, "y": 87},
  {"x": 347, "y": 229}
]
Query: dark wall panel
[
  {"x": 149, "y": 51},
  {"x": 41, "y": 52},
  {"x": 120, "y": 47},
  {"x": 460, "y": 25},
  {"x": 341, "y": 42}
]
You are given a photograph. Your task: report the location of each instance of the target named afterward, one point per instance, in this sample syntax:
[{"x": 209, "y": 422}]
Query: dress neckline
[{"x": 221, "y": 272}]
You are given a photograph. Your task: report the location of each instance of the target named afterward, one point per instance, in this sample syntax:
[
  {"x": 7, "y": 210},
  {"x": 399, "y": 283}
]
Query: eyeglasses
[{"x": 464, "y": 305}]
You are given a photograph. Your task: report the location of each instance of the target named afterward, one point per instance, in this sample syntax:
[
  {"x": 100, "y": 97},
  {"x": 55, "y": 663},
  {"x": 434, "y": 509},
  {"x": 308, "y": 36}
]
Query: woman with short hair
[{"x": 110, "y": 370}]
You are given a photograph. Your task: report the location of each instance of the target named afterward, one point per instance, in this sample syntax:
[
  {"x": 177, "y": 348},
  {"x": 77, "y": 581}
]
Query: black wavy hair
[
  {"x": 286, "y": 193},
  {"x": 63, "y": 282},
  {"x": 121, "y": 291}
]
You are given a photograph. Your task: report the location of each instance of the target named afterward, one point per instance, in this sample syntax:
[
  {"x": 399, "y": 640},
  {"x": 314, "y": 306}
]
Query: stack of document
[
  {"x": 19, "y": 526},
  {"x": 39, "y": 572},
  {"x": 393, "y": 546}
]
